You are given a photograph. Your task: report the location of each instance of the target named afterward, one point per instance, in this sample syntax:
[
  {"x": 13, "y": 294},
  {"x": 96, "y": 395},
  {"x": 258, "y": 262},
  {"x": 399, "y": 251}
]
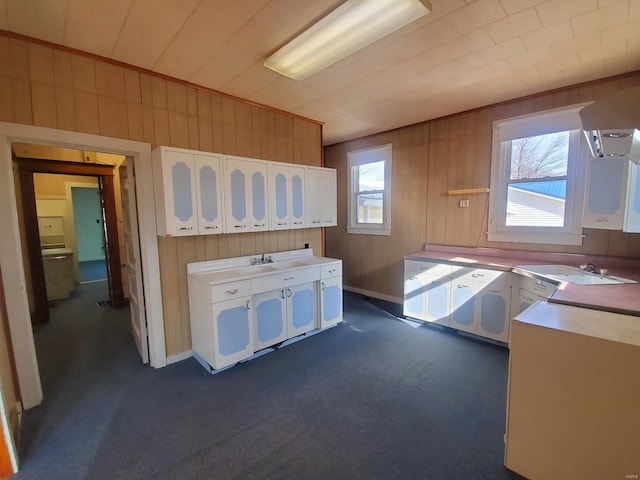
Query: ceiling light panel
[{"x": 350, "y": 27}]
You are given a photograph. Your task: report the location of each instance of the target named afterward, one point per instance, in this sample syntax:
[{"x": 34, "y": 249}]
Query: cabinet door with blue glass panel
[
  {"x": 232, "y": 332},
  {"x": 270, "y": 318},
  {"x": 426, "y": 291},
  {"x": 302, "y": 308},
  {"x": 286, "y": 196},
  {"x": 208, "y": 183},
  {"x": 331, "y": 301},
  {"x": 176, "y": 196},
  {"x": 493, "y": 304},
  {"x": 463, "y": 303},
  {"x": 245, "y": 193}
]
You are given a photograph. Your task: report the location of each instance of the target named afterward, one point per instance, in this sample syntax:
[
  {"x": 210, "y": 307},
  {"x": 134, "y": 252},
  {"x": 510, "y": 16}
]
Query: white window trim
[
  {"x": 550, "y": 121},
  {"x": 359, "y": 157}
]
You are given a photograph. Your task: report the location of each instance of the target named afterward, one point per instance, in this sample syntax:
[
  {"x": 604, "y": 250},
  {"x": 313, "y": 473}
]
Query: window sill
[
  {"x": 369, "y": 231},
  {"x": 536, "y": 237}
]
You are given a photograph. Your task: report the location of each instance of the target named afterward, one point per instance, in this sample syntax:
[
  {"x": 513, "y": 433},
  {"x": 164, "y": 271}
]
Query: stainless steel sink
[{"x": 566, "y": 273}]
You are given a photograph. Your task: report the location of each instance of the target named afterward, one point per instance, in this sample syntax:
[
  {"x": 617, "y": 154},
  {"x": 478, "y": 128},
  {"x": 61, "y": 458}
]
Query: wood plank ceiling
[{"x": 465, "y": 54}]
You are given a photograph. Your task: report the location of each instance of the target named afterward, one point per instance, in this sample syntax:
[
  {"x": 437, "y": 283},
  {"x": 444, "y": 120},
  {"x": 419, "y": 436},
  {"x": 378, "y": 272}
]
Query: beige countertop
[
  {"x": 592, "y": 323},
  {"x": 244, "y": 272},
  {"x": 619, "y": 298}
]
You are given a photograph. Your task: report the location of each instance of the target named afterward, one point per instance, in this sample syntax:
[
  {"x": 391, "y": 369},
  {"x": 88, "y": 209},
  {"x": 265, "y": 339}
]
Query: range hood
[{"x": 612, "y": 125}]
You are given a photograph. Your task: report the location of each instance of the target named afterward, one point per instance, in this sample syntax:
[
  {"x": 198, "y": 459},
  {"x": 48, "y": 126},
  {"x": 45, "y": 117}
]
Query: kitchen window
[
  {"x": 537, "y": 178},
  {"x": 369, "y": 195}
]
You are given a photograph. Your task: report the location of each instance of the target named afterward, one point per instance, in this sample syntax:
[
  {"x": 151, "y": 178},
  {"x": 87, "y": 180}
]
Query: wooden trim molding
[
  {"x": 82, "y": 53},
  {"x": 64, "y": 168},
  {"x": 40, "y": 312}
]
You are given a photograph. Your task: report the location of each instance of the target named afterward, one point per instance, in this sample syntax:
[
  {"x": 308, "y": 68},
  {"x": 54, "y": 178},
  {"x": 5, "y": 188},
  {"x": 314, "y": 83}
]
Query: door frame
[
  {"x": 11, "y": 247},
  {"x": 26, "y": 168}
]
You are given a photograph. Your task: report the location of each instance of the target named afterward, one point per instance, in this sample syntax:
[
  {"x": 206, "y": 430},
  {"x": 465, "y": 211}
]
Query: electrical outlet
[{"x": 464, "y": 203}]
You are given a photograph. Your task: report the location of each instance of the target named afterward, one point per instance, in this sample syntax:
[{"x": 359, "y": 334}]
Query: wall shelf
[{"x": 468, "y": 191}]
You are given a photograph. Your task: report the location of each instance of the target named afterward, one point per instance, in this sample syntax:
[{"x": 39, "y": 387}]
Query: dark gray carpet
[{"x": 370, "y": 399}]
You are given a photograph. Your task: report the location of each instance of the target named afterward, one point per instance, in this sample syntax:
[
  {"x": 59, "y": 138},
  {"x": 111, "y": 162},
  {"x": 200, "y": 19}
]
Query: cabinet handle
[
  {"x": 322, "y": 286},
  {"x": 239, "y": 226},
  {"x": 282, "y": 293},
  {"x": 331, "y": 271},
  {"x": 211, "y": 227},
  {"x": 248, "y": 305},
  {"x": 258, "y": 224},
  {"x": 232, "y": 292},
  {"x": 462, "y": 286},
  {"x": 185, "y": 228},
  {"x": 476, "y": 275},
  {"x": 601, "y": 220},
  {"x": 288, "y": 278},
  {"x": 315, "y": 221},
  {"x": 289, "y": 292}
]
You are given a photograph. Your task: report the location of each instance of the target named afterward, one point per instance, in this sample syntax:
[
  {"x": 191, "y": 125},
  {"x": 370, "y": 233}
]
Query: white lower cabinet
[
  {"x": 494, "y": 305},
  {"x": 527, "y": 299},
  {"x": 330, "y": 295},
  {"x": 481, "y": 301},
  {"x": 270, "y": 318},
  {"x": 231, "y": 321},
  {"x": 427, "y": 289},
  {"x": 284, "y": 313},
  {"x": 302, "y": 309},
  {"x": 232, "y": 334},
  {"x": 473, "y": 300}
]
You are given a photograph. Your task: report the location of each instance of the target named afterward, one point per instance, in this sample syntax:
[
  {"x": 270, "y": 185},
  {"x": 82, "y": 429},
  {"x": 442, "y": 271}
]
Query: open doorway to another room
[
  {"x": 88, "y": 223},
  {"x": 71, "y": 231}
]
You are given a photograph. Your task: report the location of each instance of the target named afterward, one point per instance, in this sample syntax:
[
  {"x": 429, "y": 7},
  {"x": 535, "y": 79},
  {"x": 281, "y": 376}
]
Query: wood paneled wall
[
  {"x": 431, "y": 158},
  {"x": 51, "y": 87}
]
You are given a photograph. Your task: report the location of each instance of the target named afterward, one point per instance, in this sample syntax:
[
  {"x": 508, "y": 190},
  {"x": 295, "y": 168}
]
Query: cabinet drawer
[
  {"x": 417, "y": 267},
  {"x": 284, "y": 279},
  {"x": 331, "y": 270},
  {"x": 484, "y": 275},
  {"x": 231, "y": 290},
  {"x": 539, "y": 287}
]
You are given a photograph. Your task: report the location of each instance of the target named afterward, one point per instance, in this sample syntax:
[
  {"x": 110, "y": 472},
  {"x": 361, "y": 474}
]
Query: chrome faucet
[
  {"x": 261, "y": 260},
  {"x": 588, "y": 267}
]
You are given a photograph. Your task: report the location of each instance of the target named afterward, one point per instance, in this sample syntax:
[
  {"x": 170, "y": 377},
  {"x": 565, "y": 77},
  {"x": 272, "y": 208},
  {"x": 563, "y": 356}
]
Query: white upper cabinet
[
  {"x": 632, "y": 213},
  {"x": 321, "y": 197},
  {"x": 208, "y": 172},
  {"x": 245, "y": 193},
  {"x": 605, "y": 194},
  {"x": 202, "y": 193},
  {"x": 188, "y": 192},
  {"x": 286, "y": 196}
]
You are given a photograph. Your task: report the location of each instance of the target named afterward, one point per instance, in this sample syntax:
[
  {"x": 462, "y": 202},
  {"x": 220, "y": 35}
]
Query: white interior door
[{"x": 132, "y": 264}]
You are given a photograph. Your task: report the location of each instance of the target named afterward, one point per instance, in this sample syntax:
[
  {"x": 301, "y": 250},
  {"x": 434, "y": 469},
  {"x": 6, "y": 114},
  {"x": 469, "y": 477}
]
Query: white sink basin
[
  {"x": 565, "y": 273},
  {"x": 253, "y": 269},
  {"x": 284, "y": 265}
]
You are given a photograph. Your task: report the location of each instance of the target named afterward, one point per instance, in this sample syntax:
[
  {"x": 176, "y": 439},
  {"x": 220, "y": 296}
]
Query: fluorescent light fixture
[{"x": 350, "y": 27}]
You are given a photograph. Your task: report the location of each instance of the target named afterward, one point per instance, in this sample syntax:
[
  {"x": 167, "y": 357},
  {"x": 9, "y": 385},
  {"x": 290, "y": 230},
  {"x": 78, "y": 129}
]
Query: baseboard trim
[
  {"x": 369, "y": 293},
  {"x": 179, "y": 357}
]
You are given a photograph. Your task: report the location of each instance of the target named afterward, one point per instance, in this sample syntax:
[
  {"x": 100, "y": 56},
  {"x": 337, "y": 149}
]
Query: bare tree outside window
[{"x": 540, "y": 156}]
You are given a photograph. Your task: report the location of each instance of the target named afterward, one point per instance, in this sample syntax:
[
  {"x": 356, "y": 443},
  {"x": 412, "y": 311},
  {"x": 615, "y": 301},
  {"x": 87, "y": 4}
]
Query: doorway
[
  {"x": 89, "y": 226},
  {"x": 11, "y": 253}
]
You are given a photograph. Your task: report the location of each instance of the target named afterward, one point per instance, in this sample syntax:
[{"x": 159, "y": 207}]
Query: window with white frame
[
  {"x": 537, "y": 178},
  {"x": 369, "y": 195}
]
